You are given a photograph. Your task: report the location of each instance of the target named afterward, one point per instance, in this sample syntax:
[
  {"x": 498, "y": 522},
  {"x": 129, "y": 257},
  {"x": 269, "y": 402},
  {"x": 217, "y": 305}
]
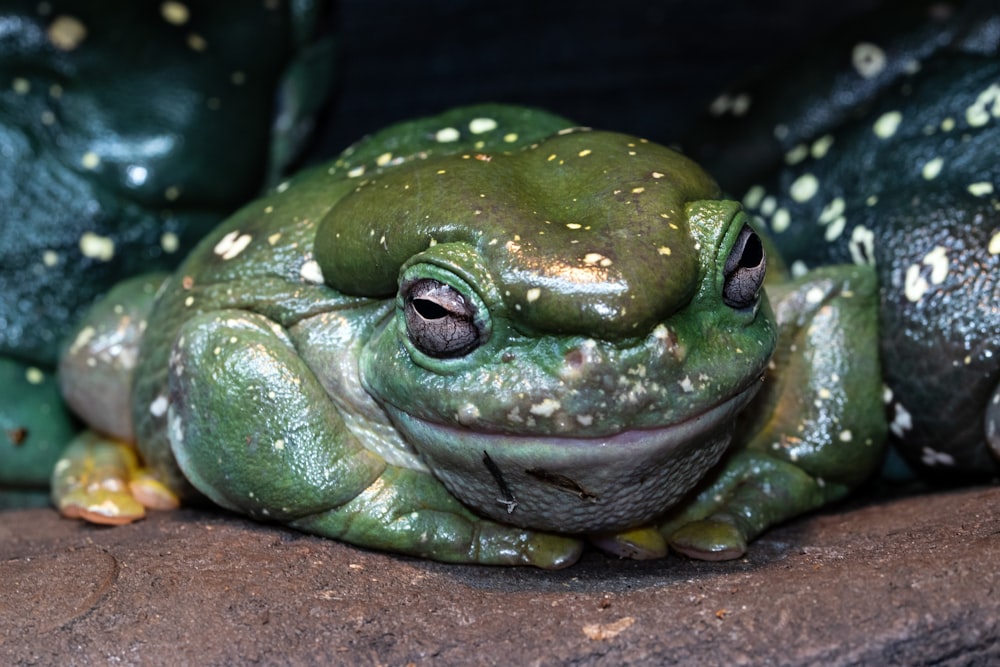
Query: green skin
[
  {"x": 475, "y": 338},
  {"x": 116, "y": 122}
]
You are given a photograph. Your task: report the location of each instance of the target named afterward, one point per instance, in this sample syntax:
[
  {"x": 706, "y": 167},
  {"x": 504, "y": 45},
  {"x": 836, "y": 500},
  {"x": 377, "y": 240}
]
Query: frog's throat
[{"x": 576, "y": 484}]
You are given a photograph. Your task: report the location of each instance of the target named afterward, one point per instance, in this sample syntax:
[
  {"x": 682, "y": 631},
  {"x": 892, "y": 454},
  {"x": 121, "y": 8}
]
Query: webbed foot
[{"x": 100, "y": 480}]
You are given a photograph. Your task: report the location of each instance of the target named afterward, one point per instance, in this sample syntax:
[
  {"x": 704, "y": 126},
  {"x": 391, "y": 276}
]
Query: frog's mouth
[{"x": 576, "y": 484}]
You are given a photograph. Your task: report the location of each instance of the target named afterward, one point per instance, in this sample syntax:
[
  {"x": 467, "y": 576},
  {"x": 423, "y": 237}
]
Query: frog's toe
[
  {"x": 99, "y": 480},
  {"x": 637, "y": 544},
  {"x": 152, "y": 493},
  {"x": 709, "y": 539}
]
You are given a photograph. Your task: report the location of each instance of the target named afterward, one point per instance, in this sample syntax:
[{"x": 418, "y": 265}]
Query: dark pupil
[{"x": 428, "y": 309}]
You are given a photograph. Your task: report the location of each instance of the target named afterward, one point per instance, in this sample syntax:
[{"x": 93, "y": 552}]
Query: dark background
[{"x": 646, "y": 68}]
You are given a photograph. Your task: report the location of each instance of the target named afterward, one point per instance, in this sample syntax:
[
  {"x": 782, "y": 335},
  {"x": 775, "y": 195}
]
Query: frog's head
[{"x": 576, "y": 324}]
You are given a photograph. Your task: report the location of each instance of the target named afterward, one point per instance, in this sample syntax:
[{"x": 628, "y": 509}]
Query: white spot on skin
[
  {"x": 546, "y": 408},
  {"x": 887, "y": 124},
  {"x": 97, "y": 247},
  {"x": 21, "y": 86},
  {"x": 994, "y": 246},
  {"x": 937, "y": 259},
  {"x": 914, "y": 284},
  {"x": 754, "y": 196},
  {"x": 814, "y": 296},
  {"x": 686, "y": 385},
  {"x": 980, "y": 189},
  {"x": 978, "y": 114},
  {"x": 90, "y": 160},
  {"x": 232, "y": 244},
  {"x": 50, "y": 258},
  {"x": 34, "y": 375},
  {"x": 158, "y": 407},
  {"x": 797, "y": 154},
  {"x": 312, "y": 273},
  {"x": 279, "y": 445},
  {"x": 901, "y": 421},
  {"x": 356, "y": 172},
  {"x": 835, "y": 229},
  {"x": 169, "y": 242},
  {"x": 931, "y": 170},
  {"x": 447, "y": 135},
  {"x": 862, "y": 245},
  {"x": 468, "y": 414},
  {"x": 482, "y": 125},
  {"x": 781, "y": 220},
  {"x": 533, "y": 294},
  {"x": 868, "y": 60},
  {"x": 821, "y": 146},
  {"x": 931, "y": 458},
  {"x": 804, "y": 188}
]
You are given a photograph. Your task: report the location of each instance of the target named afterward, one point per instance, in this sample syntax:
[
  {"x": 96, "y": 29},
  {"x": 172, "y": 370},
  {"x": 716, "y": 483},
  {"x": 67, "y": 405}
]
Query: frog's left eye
[
  {"x": 743, "y": 273},
  {"x": 440, "y": 321}
]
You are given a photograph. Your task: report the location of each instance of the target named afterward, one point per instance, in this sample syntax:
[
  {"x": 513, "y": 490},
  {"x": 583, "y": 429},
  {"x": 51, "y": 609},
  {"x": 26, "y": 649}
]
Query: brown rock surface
[{"x": 912, "y": 581}]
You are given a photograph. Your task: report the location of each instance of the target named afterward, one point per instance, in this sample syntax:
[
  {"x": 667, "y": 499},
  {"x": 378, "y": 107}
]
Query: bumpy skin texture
[
  {"x": 128, "y": 131},
  {"x": 482, "y": 337},
  {"x": 883, "y": 153}
]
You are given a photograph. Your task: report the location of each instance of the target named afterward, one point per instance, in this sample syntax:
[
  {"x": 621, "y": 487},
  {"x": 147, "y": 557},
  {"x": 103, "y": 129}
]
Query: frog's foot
[
  {"x": 410, "y": 512},
  {"x": 644, "y": 543},
  {"x": 752, "y": 493},
  {"x": 99, "y": 480}
]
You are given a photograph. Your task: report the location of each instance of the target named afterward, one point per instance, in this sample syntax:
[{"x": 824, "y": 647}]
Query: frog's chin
[{"x": 576, "y": 484}]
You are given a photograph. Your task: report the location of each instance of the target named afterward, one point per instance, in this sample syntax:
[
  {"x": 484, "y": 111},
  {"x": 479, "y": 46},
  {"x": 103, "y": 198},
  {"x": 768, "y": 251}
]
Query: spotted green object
[
  {"x": 128, "y": 131},
  {"x": 885, "y": 151},
  {"x": 482, "y": 337}
]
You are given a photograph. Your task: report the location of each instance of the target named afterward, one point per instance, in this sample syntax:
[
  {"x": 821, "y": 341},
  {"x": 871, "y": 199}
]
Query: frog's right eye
[
  {"x": 744, "y": 270},
  {"x": 440, "y": 321}
]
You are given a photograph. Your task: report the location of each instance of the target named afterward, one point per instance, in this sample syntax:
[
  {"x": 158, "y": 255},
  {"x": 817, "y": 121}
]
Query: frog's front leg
[
  {"x": 253, "y": 429},
  {"x": 815, "y": 431}
]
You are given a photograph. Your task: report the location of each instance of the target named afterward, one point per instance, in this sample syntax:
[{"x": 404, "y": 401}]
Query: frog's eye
[
  {"x": 743, "y": 273},
  {"x": 440, "y": 322}
]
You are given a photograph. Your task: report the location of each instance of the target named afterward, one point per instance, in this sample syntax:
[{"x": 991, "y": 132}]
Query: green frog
[
  {"x": 128, "y": 131},
  {"x": 487, "y": 336}
]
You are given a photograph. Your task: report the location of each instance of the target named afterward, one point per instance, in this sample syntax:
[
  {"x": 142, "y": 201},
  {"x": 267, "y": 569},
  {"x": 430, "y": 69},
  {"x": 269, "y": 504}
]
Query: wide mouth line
[{"x": 626, "y": 437}]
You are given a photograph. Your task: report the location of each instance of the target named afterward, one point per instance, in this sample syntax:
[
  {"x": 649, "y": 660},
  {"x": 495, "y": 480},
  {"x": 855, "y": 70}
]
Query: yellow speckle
[
  {"x": 442, "y": 171},
  {"x": 931, "y": 170},
  {"x": 638, "y": 191},
  {"x": 383, "y": 159},
  {"x": 887, "y": 124},
  {"x": 656, "y": 174},
  {"x": 196, "y": 42},
  {"x": 510, "y": 137},
  {"x": 90, "y": 160},
  {"x": 781, "y": 220},
  {"x": 533, "y": 294},
  {"x": 821, "y": 146},
  {"x": 663, "y": 250},
  {"x": 584, "y": 153},
  {"x": 34, "y": 375},
  {"x": 804, "y": 188},
  {"x": 981, "y": 189},
  {"x": 551, "y": 157},
  {"x": 175, "y": 13},
  {"x": 169, "y": 242},
  {"x": 868, "y": 59},
  {"x": 573, "y": 225},
  {"x": 274, "y": 238},
  {"x": 994, "y": 247},
  {"x": 66, "y": 33},
  {"x": 97, "y": 247}
]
